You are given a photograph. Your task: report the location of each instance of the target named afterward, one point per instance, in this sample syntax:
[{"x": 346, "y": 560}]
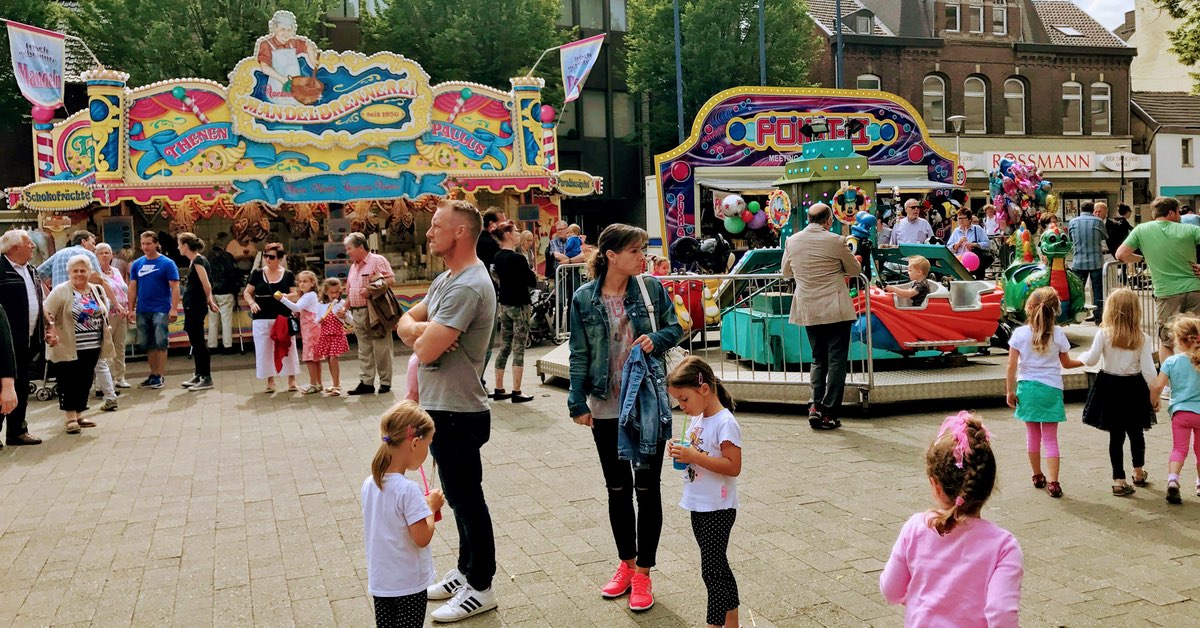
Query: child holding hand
[
  {"x": 398, "y": 519},
  {"x": 1182, "y": 371},
  {"x": 712, "y": 451}
]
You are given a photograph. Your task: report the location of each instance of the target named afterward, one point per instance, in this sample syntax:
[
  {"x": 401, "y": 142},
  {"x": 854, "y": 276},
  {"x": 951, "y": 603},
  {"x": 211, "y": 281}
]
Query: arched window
[
  {"x": 1014, "y": 107},
  {"x": 1101, "y": 108},
  {"x": 1072, "y": 119},
  {"x": 868, "y": 81},
  {"x": 933, "y": 100},
  {"x": 975, "y": 105}
]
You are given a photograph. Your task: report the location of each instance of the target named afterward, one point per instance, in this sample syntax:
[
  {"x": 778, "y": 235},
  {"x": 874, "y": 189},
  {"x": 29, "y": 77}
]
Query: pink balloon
[
  {"x": 758, "y": 221},
  {"x": 970, "y": 261},
  {"x": 42, "y": 115}
]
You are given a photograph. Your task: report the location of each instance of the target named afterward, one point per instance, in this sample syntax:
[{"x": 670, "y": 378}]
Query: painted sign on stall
[
  {"x": 764, "y": 127},
  {"x": 56, "y": 196}
]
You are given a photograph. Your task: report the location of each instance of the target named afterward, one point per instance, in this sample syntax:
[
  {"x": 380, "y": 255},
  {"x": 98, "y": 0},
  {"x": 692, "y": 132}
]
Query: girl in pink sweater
[{"x": 950, "y": 567}]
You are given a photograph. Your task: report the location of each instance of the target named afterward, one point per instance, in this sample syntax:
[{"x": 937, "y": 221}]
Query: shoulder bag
[{"x": 674, "y": 355}]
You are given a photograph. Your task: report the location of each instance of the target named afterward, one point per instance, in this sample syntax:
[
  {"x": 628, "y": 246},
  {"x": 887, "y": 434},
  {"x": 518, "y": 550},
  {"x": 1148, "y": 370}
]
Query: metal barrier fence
[
  {"x": 567, "y": 279},
  {"x": 752, "y": 347},
  {"x": 1136, "y": 277}
]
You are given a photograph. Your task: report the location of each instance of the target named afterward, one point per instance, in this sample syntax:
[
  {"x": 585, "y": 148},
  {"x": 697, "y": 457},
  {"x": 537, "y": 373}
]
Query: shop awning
[
  {"x": 747, "y": 180},
  {"x": 915, "y": 185}
]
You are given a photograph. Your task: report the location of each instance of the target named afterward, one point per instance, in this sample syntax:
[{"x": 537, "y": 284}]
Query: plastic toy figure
[{"x": 1022, "y": 278}]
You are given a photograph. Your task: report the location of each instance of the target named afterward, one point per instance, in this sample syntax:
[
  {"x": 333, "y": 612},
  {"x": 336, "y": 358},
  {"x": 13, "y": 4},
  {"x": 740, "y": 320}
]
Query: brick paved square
[{"x": 234, "y": 508}]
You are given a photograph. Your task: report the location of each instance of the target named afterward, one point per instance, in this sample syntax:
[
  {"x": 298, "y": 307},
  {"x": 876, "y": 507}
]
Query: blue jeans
[
  {"x": 1097, "y": 277},
  {"x": 152, "y": 330},
  {"x": 831, "y": 360}
]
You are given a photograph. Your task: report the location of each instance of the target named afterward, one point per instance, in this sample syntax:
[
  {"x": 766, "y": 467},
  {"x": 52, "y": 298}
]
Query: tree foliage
[
  {"x": 14, "y": 109},
  {"x": 719, "y": 51},
  {"x": 1185, "y": 40},
  {"x": 482, "y": 41},
  {"x": 154, "y": 40}
]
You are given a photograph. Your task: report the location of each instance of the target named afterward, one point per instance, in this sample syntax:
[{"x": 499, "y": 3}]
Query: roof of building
[
  {"x": 824, "y": 13},
  {"x": 1068, "y": 25},
  {"x": 1172, "y": 109},
  {"x": 78, "y": 59}
]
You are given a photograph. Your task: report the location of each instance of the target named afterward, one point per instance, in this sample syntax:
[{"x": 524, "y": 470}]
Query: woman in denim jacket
[{"x": 609, "y": 317}]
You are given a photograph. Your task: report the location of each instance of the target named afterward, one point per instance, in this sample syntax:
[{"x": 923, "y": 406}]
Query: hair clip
[
  {"x": 956, "y": 425},
  {"x": 700, "y": 376},
  {"x": 386, "y": 439}
]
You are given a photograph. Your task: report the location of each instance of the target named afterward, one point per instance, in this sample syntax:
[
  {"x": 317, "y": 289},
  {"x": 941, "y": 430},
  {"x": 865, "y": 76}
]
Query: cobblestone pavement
[{"x": 233, "y": 508}]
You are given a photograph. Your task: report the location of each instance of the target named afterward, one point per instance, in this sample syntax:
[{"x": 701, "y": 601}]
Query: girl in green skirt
[{"x": 1037, "y": 354}]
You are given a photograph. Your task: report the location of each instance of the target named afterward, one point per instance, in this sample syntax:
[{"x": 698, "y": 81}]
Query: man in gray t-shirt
[{"x": 450, "y": 332}]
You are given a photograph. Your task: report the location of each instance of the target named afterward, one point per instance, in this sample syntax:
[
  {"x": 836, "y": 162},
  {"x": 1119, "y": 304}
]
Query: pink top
[
  {"x": 970, "y": 577},
  {"x": 371, "y": 264}
]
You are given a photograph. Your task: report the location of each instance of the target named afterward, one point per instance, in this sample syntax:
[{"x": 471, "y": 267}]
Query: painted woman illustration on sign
[{"x": 279, "y": 57}]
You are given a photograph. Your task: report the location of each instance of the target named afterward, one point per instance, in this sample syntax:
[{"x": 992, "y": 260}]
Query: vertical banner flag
[
  {"x": 577, "y": 59},
  {"x": 37, "y": 57}
]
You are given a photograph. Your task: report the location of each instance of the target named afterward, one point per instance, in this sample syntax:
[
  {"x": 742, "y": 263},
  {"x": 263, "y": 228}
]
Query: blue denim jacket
[
  {"x": 645, "y": 410},
  {"x": 589, "y": 336}
]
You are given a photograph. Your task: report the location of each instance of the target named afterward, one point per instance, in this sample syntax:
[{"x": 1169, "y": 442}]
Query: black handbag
[{"x": 293, "y": 326}]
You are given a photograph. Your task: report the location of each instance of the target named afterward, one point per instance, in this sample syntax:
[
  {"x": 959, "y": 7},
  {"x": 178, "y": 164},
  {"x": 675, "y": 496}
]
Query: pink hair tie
[
  {"x": 959, "y": 501},
  {"x": 956, "y": 426}
]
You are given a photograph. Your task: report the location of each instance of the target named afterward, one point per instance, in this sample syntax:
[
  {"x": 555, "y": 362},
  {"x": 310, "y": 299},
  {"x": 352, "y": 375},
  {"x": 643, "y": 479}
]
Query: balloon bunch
[
  {"x": 738, "y": 215},
  {"x": 1018, "y": 190}
]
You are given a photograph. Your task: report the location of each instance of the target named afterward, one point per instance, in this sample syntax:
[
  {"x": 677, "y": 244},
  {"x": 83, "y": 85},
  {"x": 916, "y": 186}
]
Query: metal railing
[
  {"x": 1136, "y": 277},
  {"x": 567, "y": 279},
  {"x": 751, "y": 344}
]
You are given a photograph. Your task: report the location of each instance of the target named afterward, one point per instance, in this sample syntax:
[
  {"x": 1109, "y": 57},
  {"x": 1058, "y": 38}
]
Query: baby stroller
[{"x": 48, "y": 388}]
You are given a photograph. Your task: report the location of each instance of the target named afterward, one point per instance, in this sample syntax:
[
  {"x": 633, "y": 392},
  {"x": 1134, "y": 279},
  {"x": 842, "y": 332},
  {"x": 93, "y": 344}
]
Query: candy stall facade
[{"x": 303, "y": 146}]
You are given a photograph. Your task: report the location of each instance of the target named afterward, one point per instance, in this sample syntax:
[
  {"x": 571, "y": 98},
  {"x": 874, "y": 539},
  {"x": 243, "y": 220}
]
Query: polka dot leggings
[
  {"x": 712, "y": 534},
  {"x": 400, "y": 612}
]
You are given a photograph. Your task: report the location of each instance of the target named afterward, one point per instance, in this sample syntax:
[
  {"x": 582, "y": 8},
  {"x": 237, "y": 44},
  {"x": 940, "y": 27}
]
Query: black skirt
[{"x": 1119, "y": 402}]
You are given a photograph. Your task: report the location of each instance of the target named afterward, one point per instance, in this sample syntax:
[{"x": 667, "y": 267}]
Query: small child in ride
[{"x": 916, "y": 290}]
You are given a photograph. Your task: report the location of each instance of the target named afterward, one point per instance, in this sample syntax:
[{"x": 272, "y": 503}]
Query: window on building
[
  {"x": 591, "y": 14},
  {"x": 933, "y": 100},
  {"x": 1069, "y": 31},
  {"x": 999, "y": 17},
  {"x": 567, "y": 18},
  {"x": 568, "y": 125},
  {"x": 1101, "y": 108},
  {"x": 1014, "y": 107},
  {"x": 594, "y": 113},
  {"x": 864, "y": 25},
  {"x": 868, "y": 81},
  {"x": 953, "y": 19},
  {"x": 1072, "y": 120},
  {"x": 975, "y": 16},
  {"x": 975, "y": 106},
  {"x": 616, "y": 15},
  {"x": 1187, "y": 160},
  {"x": 623, "y": 115}
]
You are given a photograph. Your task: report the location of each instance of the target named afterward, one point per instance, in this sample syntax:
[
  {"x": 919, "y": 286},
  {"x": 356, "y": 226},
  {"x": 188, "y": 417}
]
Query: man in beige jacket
[{"x": 820, "y": 262}]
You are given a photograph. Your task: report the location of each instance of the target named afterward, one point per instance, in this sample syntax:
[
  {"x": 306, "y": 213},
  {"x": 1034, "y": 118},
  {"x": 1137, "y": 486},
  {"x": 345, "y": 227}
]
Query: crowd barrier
[{"x": 1136, "y": 277}]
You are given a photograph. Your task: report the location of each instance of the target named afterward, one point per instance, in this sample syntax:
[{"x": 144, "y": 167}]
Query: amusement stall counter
[{"x": 348, "y": 143}]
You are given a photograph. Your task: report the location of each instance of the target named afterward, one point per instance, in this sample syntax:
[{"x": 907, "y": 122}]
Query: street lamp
[
  {"x": 1122, "y": 148},
  {"x": 957, "y": 123}
]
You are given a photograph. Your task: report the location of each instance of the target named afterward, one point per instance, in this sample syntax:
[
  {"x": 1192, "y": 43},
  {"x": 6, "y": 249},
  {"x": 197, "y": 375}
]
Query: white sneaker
[
  {"x": 1166, "y": 393},
  {"x": 466, "y": 603},
  {"x": 123, "y": 384},
  {"x": 445, "y": 588}
]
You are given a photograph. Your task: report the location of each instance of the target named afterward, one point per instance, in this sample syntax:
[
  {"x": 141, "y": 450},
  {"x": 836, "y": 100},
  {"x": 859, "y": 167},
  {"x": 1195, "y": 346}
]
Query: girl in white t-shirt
[
  {"x": 1037, "y": 354},
  {"x": 712, "y": 450},
  {"x": 398, "y": 519}
]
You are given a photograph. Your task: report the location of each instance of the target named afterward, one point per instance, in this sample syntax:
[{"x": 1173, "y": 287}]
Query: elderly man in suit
[
  {"x": 21, "y": 299},
  {"x": 820, "y": 262}
]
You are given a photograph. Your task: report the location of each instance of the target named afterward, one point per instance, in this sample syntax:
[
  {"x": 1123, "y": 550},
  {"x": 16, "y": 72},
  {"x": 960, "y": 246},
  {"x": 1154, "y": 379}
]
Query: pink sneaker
[
  {"x": 641, "y": 599},
  {"x": 619, "y": 585}
]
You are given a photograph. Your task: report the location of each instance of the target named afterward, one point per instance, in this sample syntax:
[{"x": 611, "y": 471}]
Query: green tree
[
  {"x": 720, "y": 50},
  {"x": 482, "y": 41},
  {"x": 14, "y": 109},
  {"x": 1185, "y": 40},
  {"x": 154, "y": 40}
]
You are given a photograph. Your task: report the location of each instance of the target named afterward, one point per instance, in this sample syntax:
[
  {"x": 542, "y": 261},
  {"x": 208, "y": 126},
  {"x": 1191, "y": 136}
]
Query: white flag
[
  {"x": 577, "y": 59},
  {"x": 37, "y": 57}
]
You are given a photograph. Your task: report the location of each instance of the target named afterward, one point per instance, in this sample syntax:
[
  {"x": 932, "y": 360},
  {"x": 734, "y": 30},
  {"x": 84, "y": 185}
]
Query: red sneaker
[
  {"x": 641, "y": 599},
  {"x": 619, "y": 585}
]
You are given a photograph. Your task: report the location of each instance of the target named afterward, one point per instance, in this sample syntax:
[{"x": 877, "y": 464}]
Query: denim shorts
[{"x": 152, "y": 330}]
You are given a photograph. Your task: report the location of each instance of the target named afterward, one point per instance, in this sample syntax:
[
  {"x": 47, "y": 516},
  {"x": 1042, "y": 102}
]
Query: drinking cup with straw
[
  {"x": 683, "y": 442},
  {"x": 437, "y": 515}
]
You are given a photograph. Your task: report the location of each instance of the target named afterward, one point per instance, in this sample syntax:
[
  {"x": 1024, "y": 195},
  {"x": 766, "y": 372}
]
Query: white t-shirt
[
  {"x": 703, "y": 490},
  {"x": 1040, "y": 367},
  {"x": 395, "y": 565}
]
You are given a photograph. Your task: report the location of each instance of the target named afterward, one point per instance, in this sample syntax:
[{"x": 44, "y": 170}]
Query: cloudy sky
[{"x": 1110, "y": 13}]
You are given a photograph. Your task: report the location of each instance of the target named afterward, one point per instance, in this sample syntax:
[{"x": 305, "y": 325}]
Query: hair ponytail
[
  {"x": 692, "y": 372},
  {"x": 1041, "y": 310},
  {"x": 402, "y": 422},
  {"x": 961, "y": 462}
]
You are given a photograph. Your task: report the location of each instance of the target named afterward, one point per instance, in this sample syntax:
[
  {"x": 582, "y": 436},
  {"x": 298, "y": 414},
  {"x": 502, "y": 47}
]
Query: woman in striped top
[{"x": 79, "y": 337}]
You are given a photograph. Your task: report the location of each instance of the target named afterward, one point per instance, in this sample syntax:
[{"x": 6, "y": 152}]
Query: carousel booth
[{"x": 302, "y": 153}]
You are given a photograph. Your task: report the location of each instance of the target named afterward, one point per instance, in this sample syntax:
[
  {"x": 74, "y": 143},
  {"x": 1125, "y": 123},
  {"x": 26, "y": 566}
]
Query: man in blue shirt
[
  {"x": 1088, "y": 235},
  {"x": 1188, "y": 217},
  {"x": 54, "y": 268},
  {"x": 154, "y": 304}
]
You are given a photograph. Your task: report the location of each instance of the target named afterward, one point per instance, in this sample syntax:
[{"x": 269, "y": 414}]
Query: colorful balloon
[
  {"x": 734, "y": 224},
  {"x": 970, "y": 261},
  {"x": 733, "y": 205},
  {"x": 753, "y": 206},
  {"x": 746, "y": 216},
  {"x": 759, "y": 221}
]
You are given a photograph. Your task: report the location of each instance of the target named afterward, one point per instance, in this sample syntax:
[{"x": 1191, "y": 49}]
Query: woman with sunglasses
[
  {"x": 968, "y": 236},
  {"x": 266, "y": 310}
]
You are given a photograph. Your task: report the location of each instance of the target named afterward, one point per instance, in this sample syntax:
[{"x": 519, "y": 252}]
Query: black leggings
[
  {"x": 74, "y": 380},
  {"x": 1116, "y": 449},
  {"x": 401, "y": 612},
  {"x": 193, "y": 325},
  {"x": 712, "y": 534},
  {"x": 636, "y": 534}
]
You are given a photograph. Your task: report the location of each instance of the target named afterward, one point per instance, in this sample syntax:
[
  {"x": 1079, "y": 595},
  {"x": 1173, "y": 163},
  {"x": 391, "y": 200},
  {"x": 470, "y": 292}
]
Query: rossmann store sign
[{"x": 1046, "y": 161}]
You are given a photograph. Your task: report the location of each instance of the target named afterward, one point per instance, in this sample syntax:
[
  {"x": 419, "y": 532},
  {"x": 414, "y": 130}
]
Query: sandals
[
  {"x": 334, "y": 391},
  {"x": 1140, "y": 479},
  {"x": 1054, "y": 489},
  {"x": 1039, "y": 481},
  {"x": 311, "y": 389},
  {"x": 73, "y": 428},
  {"x": 293, "y": 388},
  {"x": 86, "y": 423},
  {"x": 270, "y": 389},
  {"x": 1122, "y": 490}
]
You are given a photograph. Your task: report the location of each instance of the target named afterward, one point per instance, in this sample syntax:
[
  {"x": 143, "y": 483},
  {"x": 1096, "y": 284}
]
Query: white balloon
[{"x": 732, "y": 205}]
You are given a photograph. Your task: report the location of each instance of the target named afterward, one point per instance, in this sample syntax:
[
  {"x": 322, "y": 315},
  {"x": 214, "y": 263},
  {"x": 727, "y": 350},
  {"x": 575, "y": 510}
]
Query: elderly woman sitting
[{"x": 78, "y": 337}]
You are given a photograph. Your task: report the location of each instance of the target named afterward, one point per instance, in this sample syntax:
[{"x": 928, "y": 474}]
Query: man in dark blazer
[{"x": 21, "y": 299}]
